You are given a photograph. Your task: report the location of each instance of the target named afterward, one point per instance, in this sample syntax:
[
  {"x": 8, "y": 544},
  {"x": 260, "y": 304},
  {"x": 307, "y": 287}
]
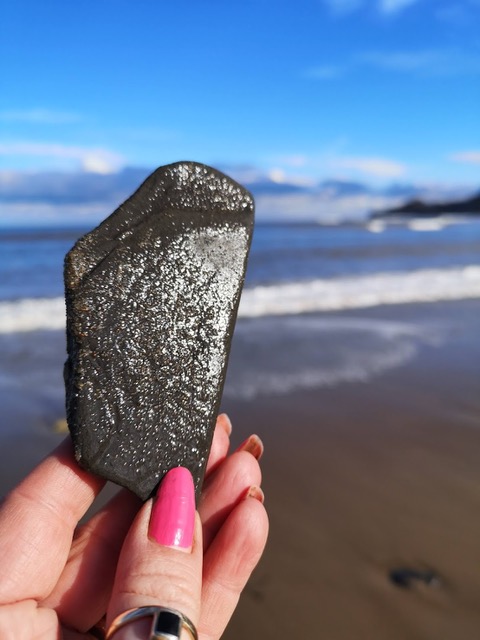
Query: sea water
[{"x": 293, "y": 270}]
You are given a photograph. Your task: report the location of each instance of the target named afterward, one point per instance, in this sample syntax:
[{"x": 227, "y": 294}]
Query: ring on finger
[{"x": 167, "y": 624}]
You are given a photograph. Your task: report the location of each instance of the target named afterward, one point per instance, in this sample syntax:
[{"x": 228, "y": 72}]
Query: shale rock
[{"x": 152, "y": 296}]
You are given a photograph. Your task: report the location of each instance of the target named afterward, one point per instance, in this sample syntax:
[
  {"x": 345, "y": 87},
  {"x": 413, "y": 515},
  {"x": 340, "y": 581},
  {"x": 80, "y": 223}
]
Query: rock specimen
[{"x": 152, "y": 296}]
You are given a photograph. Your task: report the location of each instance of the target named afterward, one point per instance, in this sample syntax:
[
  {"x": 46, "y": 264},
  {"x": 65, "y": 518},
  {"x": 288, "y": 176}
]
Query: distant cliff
[{"x": 419, "y": 209}]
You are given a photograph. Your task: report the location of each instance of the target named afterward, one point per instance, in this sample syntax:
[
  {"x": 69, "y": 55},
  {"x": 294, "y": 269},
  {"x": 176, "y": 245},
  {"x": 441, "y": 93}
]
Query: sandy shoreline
[
  {"x": 366, "y": 478},
  {"x": 360, "y": 479}
]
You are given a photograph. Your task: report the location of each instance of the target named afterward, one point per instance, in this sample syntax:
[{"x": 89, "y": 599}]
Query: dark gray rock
[
  {"x": 152, "y": 296},
  {"x": 406, "y": 578}
]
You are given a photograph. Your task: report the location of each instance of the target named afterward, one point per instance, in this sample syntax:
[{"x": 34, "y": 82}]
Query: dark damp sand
[
  {"x": 365, "y": 478},
  {"x": 360, "y": 479}
]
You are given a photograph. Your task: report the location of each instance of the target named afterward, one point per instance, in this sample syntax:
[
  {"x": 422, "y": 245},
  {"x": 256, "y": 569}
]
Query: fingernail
[
  {"x": 226, "y": 423},
  {"x": 173, "y": 513},
  {"x": 257, "y": 493},
  {"x": 253, "y": 445}
]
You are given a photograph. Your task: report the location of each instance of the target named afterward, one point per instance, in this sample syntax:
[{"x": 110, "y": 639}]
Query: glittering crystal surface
[{"x": 152, "y": 296}]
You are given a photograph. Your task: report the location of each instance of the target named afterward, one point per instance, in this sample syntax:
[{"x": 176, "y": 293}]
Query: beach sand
[
  {"x": 366, "y": 478},
  {"x": 361, "y": 479}
]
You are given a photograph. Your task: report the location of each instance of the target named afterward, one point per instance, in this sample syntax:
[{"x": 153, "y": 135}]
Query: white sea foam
[
  {"x": 426, "y": 285},
  {"x": 30, "y": 314},
  {"x": 335, "y": 294}
]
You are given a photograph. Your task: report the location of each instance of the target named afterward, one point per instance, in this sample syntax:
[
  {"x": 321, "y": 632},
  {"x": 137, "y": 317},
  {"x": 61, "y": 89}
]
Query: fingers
[
  {"x": 253, "y": 445},
  {"x": 39, "y": 517},
  {"x": 37, "y": 521},
  {"x": 225, "y": 487},
  {"x": 161, "y": 560},
  {"x": 92, "y": 561},
  {"x": 25, "y": 620},
  {"x": 81, "y": 595},
  {"x": 228, "y": 564},
  {"x": 220, "y": 443}
]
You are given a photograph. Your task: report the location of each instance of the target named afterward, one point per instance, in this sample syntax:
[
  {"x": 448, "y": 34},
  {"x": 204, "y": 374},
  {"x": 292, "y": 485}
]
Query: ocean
[{"x": 306, "y": 293}]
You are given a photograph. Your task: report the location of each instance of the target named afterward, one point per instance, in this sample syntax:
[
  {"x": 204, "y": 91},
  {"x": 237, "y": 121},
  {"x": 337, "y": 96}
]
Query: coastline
[{"x": 361, "y": 477}]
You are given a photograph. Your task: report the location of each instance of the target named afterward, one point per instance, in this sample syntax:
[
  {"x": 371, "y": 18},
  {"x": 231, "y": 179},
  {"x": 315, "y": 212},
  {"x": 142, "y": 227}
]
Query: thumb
[{"x": 161, "y": 560}]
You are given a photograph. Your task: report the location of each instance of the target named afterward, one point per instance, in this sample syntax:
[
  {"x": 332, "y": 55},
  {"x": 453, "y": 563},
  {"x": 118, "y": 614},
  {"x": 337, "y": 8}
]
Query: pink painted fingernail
[
  {"x": 253, "y": 445},
  {"x": 173, "y": 513}
]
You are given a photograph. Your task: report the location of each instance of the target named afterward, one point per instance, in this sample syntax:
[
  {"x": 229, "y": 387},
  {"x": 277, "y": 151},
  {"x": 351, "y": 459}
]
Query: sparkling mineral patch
[{"x": 152, "y": 296}]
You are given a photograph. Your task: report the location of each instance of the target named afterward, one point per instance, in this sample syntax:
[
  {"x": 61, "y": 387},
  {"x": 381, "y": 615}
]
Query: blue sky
[{"x": 376, "y": 91}]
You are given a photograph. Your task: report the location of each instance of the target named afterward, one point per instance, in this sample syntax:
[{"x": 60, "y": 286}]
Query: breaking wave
[{"x": 334, "y": 294}]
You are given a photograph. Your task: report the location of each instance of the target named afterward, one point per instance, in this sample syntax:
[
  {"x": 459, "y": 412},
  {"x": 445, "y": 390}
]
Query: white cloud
[
  {"x": 244, "y": 174},
  {"x": 326, "y": 209},
  {"x": 95, "y": 160},
  {"x": 282, "y": 177},
  {"x": 458, "y": 11},
  {"x": 44, "y": 213},
  {"x": 39, "y": 116},
  {"x": 377, "y": 167},
  {"x": 62, "y": 196},
  {"x": 100, "y": 161},
  {"x": 277, "y": 175},
  {"x": 469, "y": 157}
]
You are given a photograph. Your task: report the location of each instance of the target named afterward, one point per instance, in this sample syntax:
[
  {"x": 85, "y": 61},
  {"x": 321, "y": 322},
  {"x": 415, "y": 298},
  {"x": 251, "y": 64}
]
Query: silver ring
[{"x": 167, "y": 624}]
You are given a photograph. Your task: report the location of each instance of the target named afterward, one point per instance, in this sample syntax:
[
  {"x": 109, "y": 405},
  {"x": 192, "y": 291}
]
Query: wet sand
[
  {"x": 360, "y": 479},
  {"x": 364, "y": 479}
]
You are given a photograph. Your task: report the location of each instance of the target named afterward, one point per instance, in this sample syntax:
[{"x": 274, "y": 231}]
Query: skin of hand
[{"x": 58, "y": 579}]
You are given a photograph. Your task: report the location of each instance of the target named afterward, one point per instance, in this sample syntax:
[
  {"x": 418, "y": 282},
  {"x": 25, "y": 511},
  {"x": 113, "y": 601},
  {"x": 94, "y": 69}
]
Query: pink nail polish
[{"x": 173, "y": 513}]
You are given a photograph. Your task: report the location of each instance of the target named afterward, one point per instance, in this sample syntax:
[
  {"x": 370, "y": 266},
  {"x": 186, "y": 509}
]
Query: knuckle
[{"x": 170, "y": 587}]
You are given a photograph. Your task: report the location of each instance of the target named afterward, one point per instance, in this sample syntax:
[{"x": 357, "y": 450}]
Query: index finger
[{"x": 37, "y": 521}]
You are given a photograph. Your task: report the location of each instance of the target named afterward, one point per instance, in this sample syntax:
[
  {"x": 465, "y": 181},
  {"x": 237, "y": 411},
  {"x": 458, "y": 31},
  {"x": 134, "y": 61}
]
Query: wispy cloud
[
  {"x": 95, "y": 160},
  {"x": 39, "y": 116},
  {"x": 458, "y": 12},
  {"x": 376, "y": 167},
  {"x": 394, "y": 6},
  {"x": 61, "y": 195},
  {"x": 432, "y": 62},
  {"x": 428, "y": 63},
  {"x": 343, "y": 7},
  {"x": 294, "y": 160},
  {"x": 325, "y": 72},
  {"x": 385, "y": 7},
  {"x": 68, "y": 187},
  {"x": 453, "y": 14},
  {"x": 468, "y": 157}
]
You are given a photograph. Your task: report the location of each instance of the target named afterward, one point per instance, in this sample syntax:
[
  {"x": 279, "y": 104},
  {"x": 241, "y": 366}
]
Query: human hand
[{"x": 51, "y": 585}]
